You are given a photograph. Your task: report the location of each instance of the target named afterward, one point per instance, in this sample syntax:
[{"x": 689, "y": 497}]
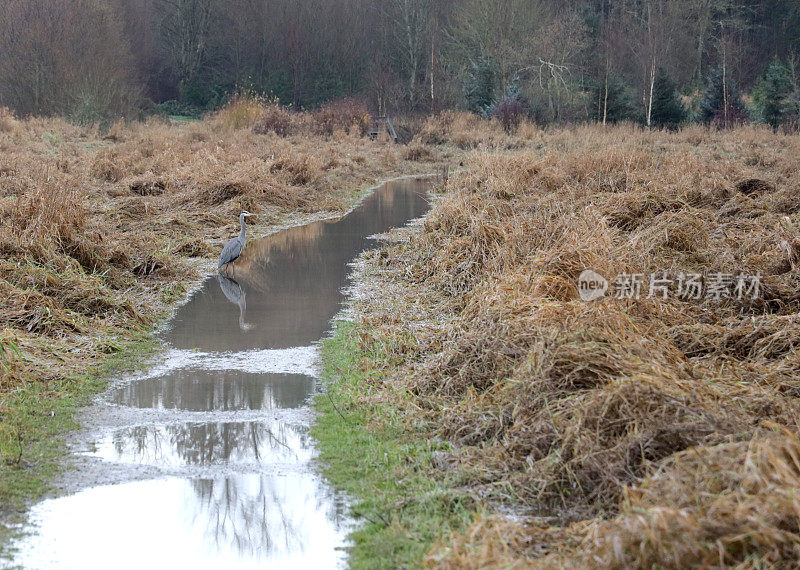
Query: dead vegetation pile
[{"x": 658, "y": 432}]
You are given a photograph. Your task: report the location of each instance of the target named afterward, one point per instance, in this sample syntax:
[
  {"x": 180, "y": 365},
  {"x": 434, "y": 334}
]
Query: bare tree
[
  {"x": 407, "y": 24},
  {"x": 64, "y": 57},
  {"x": 186, "y": 26}
]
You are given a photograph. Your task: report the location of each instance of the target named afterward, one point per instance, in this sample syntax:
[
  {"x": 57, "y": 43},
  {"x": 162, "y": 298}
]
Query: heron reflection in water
[{"x": 236, "y": 295}]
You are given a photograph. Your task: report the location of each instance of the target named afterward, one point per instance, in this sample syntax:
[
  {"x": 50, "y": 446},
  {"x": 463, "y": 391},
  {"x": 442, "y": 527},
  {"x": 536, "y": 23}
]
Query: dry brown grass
[
  {"x": 468, "y": 131},
  {"x": 418, "y": 152},
  {"x": 264, "y": 116},
  {"x": 278, "y": 120},
  {"x": 677, "y": 416},
  {"x": 7, "y": 121},
  {"x": 98, "y": 229}
]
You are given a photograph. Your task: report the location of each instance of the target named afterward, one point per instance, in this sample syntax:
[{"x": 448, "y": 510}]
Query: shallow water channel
[{"x": 205, "y": 460}]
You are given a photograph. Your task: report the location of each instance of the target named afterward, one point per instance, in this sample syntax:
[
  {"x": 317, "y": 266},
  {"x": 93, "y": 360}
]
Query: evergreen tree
[
  {"x": 617, "y": 102},
  {"x": 668, "y": 110},
  {"x": 480, "y": 87},
  {"x": 721, "y": 102},
  {"x": 773, "y": 92}
]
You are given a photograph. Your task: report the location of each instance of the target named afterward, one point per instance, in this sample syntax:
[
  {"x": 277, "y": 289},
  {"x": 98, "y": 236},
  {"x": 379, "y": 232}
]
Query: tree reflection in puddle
[
  {"x": 273, "y": 442},
  {"x": 213, "y": 390},
  {"x": 262, "y": 516},
  {"x": 241, "y": 521}
]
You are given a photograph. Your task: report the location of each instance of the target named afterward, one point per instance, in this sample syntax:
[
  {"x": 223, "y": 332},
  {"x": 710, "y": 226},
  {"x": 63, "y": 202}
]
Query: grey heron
[{"x": 233, "y": 249}]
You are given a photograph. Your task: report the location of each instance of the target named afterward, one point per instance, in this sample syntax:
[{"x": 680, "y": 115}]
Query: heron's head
[{"x": 245, "y": 213}]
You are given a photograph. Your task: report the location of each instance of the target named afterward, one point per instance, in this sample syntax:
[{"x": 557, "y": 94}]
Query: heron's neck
[{"x": 241, "y": 233}]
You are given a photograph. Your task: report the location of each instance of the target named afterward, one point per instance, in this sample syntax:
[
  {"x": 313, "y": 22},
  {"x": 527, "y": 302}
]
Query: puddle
[
  {"x": 242, "y": 521},
  {"x": 197, "y": 486},
  {"x": 212, "y": 390},
  {"x": 287, "y": 287},
  {"x": 211, "y": 443}
]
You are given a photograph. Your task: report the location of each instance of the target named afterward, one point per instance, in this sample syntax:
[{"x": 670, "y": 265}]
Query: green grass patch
[{"x": 387, "y": 467}]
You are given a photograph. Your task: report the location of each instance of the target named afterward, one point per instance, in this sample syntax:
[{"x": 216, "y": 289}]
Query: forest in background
[{"x": 657, "y": 62}]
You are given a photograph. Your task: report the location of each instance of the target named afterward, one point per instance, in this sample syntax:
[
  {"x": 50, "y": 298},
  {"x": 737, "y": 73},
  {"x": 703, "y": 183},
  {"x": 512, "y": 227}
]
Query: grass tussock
[
  {"x": 342, "y": 116},
  {"x": 8, "y": 123},
  {"x": 468, "y": 131},
  {"x": 649, "y": 432}
]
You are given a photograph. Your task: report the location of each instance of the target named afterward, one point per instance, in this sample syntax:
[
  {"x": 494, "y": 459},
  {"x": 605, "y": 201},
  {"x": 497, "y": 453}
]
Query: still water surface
[{"x": 230, "y": 490}]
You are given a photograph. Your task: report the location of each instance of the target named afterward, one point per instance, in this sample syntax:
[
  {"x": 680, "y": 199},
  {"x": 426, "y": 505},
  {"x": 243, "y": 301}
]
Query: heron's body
[{"x": 233, "y": 249}]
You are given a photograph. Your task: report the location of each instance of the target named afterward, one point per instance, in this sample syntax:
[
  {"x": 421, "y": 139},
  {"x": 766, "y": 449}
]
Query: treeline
[{"x": 655, "y": 61}]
